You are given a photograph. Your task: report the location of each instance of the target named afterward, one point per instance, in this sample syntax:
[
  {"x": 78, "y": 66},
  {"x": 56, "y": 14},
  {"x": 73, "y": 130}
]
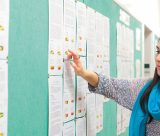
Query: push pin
[
  {"x": 80, "y": 38},
  {"x": 52, "y": 52},
  {"x": 66, "y": 52},
  {"x": 66, "y": 115},
  {"x": 79, "y": 98},
  {"x": 66, "y": 39},
  {"x": 66, "y": 102},
  {"x": 1, "y": 114},
  {"x": 79, "y": 111},
  {"x": 79, "y": 49},
  {"x": 59, "y": 53},
  {"x": 1, "y": 48},
  {"x": 52, "y": 67},
  {"x": 59, "y": 67},
  {"x": 72, "y": 40},
  {"x": 1, "y": 28},
  {"x": 1, "y": 134}
]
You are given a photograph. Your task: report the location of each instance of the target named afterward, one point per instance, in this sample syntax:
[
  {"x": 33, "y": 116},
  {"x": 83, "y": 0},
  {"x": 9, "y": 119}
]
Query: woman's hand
[{"x": 76, "y": 63}]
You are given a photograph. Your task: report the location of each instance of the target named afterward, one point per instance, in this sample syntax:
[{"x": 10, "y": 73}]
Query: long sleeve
[{"x": 123, "y": 91}]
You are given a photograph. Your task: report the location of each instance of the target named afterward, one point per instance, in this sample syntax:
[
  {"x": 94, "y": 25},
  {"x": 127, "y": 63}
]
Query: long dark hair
[{"x": 145, "y": 96}]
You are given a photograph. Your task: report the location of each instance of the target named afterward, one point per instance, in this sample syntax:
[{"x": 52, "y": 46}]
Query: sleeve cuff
[{"x": 98, "y": 87}]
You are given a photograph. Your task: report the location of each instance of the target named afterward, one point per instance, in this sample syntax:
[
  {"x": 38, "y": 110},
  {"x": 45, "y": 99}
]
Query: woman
[{"x": 139, "y": 95}]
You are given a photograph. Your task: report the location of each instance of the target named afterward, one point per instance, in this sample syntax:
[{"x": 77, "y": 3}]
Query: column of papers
[
  {"x": 55, "y": 57},
  {"x": 125, "y": 60},
  {"x": 3, "y": 97},
  {"x": 69, "y": 93},
  {"x": 69, "y": 26},
  {"x": 55, "y": 106},
  {"x": 4, "y": 28},
  {"x": 91, "y": 38},
  {"x": 4, "y": 33},
  {"x": 91, "y": 115},
  {"x": 81, "y": 93},
  {"x": 81, "y": 28},
  {"x": 73, "y": 25}
]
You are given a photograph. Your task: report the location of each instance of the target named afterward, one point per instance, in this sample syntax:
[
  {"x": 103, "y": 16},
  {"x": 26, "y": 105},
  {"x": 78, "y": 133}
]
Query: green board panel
[{"x": 28, "y": 66}]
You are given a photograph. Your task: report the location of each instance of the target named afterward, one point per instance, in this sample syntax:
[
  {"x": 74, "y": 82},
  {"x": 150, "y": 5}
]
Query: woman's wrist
[
  {"x": 84, "y": 73},
  {"x": 91, "y": 77}
]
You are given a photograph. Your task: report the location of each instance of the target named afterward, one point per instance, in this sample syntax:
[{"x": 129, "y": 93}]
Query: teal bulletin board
[{"x": 28, "y": 66}]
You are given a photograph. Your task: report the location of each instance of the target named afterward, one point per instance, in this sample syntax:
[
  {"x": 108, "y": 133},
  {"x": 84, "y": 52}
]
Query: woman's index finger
[{"x": 73, "y": 54}]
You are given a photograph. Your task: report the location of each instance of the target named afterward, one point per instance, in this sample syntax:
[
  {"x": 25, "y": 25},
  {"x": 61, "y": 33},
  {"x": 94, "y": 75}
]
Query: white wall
[{"x": 146, "y": 11}]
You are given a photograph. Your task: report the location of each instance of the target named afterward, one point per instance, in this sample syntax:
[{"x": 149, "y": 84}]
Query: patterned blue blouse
[{"x": 124, "y": 92}]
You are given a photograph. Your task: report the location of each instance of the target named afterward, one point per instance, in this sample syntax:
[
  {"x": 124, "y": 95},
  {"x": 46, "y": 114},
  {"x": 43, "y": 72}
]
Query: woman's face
[{"x": 158, "y": 58}]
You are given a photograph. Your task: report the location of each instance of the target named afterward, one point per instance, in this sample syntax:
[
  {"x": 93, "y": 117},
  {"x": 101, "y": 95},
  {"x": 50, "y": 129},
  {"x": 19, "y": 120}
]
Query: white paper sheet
[
  {"x": 124, "y": 17},
  {"x": 55, "y": 59},
  {"x": 82, "y": 88},
  {"x": 3, "y": 97},
  {"x": 119, "y": 120},
  {"x": 106, "y": 68},
  {"x": 69, "y": 129},
  {"x": 69, "y": 26},
  {"x": 4, "y": 6},
  {"x": 69, "y": 93},
  {"x": 102, "y": 42},
  {"x": 81, "y": 126},
  {"x": 138, "y": 39},
  {"x": 91, "y": 38},
  {"x": 55, "y": 106},
  {"x": 99, "y": 112},
  {"x": 69, "y": 78},
  {"x": 81, "y": 28},
  {"x": 125, "y": 56},
  {"x": 125, "y": 60},
  {"x": 106, "y": 37},
  {"x": 91, "y": 115}
]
